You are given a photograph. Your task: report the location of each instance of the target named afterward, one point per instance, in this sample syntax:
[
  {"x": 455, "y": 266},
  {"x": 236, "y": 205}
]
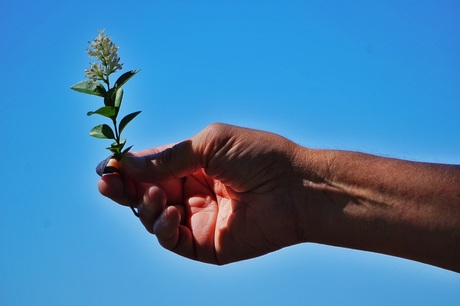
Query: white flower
[{"x": 103, "y": 49}]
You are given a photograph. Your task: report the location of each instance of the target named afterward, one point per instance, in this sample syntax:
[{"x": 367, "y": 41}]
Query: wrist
[{"x": 319, "y": 204}]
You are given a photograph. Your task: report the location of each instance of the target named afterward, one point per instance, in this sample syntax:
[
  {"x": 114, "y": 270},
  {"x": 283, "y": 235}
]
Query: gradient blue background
[{"x": 381, "y": 77}]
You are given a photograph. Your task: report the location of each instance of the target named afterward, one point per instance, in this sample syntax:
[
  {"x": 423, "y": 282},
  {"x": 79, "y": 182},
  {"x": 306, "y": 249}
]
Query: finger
[
  {"x": 122, "y": 192},
  {"x": 166, "y": 228},
  {"x": 111, "y": 186},
  {"x": 153, "y": 204},
  {"x": 175, "y": 162},
  {"x": 173, "y": 236},
  {"x": 184, "y": 158}
]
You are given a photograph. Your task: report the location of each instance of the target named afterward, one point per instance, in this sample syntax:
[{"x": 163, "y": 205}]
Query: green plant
[{"x": 106, "y": 53}]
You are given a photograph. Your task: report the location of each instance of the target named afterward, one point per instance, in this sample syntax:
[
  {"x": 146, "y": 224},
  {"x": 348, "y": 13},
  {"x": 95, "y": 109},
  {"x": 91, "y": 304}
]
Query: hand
[
  {"x": 226, "y": 194},
  {"x": 230, "y": 193}
]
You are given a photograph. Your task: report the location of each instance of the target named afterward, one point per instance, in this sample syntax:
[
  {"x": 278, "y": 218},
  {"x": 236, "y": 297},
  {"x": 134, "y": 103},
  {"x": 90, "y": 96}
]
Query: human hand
[
  {"x": 224, "y": 195},
  {"x": 230, "y": 193}
]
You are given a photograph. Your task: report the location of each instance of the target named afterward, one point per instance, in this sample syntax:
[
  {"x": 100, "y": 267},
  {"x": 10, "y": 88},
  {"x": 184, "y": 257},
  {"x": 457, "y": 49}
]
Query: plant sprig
[{"x": 106, "y": 53}]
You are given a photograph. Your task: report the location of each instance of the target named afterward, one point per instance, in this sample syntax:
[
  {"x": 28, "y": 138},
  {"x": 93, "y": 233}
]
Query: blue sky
[{"x": 380, "y": 77}]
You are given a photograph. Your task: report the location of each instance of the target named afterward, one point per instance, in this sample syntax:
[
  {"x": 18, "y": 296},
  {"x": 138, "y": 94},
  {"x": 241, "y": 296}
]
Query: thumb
[{"x": 177, "y": 161}]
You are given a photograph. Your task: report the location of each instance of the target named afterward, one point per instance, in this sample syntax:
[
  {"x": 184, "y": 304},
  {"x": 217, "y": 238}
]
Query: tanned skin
[{"x": 231, "y": 193}]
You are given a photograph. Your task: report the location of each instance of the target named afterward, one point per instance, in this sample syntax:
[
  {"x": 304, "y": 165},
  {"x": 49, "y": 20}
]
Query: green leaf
[
  {"x": 110, "y": 97},
  {"x": 106, "y": 111},
  {"x": 124, "y": 78},
  {"x": 102, "y": 131},
  {"x": 90, "y": 87},
  {"x": 117, "y": 147},
  {"x": 122, "y": 143},
  {"x": 124, "y": 122},
  {"x": 125, "y": 151},
  {"x": 115, "y": 151},
  {"x": 118, "y": 97}
]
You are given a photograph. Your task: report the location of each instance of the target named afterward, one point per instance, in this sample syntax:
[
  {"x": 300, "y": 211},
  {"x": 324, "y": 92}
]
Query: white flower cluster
[{"x": 103, "y": 49}]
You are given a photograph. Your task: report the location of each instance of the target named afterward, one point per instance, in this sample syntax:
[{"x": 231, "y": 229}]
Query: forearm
[{"x": 389, "y": 206}]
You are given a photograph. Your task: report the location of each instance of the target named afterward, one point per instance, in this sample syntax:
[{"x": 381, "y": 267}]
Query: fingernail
[{"x": 108, "y": 166}]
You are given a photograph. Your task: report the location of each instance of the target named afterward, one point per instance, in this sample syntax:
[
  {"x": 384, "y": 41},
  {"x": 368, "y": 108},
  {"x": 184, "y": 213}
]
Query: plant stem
[{"x": 117, "y": 136}]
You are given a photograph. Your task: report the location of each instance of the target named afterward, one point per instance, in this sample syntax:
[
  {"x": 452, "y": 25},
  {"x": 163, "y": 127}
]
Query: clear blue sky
[{"x": 381, "y": 77}]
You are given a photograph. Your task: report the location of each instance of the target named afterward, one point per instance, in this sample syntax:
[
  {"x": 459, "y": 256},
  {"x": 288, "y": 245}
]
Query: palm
[{"x": 224, "y": 225}]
